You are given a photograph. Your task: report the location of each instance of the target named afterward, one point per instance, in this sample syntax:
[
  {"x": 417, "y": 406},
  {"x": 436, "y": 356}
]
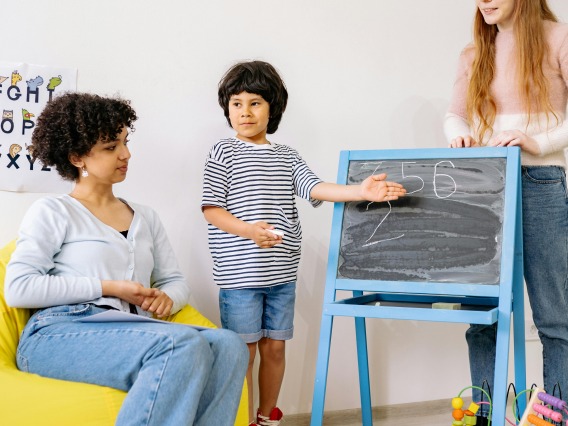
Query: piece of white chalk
[
  {"x": 277, "y": 232},
  {"x": 443, "y": 305}
]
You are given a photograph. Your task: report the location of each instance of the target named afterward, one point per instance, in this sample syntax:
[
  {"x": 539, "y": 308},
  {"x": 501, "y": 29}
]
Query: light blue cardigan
[{"x": 64, "y": 251}]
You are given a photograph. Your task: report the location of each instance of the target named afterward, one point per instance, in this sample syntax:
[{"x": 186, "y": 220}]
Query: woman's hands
[
  {"x": 160, "y": 304},
  {"x": 149, "y": 299},
  {"x": 515, "y": 138},
  {"x": 501, "y": 139},
  {"x": 463, "y": 142}
]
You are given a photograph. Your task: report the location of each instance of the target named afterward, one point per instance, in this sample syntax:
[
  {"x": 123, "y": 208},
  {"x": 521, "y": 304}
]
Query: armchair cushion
[{"x": 29, "y": 399}]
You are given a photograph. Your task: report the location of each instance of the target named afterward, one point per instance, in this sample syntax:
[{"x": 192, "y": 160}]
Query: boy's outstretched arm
[
  {"x": 227, "y": 222},
  {"x": 374, "y": 188}
]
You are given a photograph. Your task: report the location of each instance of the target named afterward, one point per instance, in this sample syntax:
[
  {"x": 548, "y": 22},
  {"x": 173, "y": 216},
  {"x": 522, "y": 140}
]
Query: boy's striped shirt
[{"x": 256, "y": 183}]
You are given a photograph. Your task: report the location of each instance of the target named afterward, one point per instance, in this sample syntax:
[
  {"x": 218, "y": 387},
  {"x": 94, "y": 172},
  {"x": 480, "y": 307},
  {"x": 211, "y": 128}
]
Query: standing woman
[
  {"x": 89, "y": 252},
  {"x": 511, "y": 90}
]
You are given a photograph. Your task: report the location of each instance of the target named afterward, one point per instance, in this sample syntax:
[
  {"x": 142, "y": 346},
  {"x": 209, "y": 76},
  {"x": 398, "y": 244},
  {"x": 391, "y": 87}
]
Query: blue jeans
[
  {"x": 174, "y": 374},
  {"x": 545, "y": 257}
]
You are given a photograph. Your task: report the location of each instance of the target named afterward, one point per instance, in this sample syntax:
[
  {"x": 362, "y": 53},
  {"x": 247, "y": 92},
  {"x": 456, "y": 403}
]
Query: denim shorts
[{"x": 254, "y": 313}]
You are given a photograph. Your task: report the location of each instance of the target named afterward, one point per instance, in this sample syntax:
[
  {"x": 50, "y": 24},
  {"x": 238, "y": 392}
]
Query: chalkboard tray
[{"x": 417, "y": 307}]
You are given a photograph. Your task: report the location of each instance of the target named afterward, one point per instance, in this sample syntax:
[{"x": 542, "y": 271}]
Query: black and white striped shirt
[{"x": 256, "y": 183}]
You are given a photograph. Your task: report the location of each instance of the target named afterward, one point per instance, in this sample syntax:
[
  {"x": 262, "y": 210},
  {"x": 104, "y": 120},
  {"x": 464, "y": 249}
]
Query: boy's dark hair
[
  {"x": 256, "y": 77},
  {"x": 71, "y": 124}
]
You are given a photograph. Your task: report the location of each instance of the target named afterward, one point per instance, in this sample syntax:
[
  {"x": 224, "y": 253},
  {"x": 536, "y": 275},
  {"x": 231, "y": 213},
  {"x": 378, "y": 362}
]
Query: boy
[{"x": 254, "y": 231}]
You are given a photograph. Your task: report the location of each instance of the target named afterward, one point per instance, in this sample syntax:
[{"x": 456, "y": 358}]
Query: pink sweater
[{"x": 551, "y": 136}]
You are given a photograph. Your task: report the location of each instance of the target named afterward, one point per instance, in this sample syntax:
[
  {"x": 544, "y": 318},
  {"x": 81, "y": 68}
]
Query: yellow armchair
[{"x": 29, "y": 399}]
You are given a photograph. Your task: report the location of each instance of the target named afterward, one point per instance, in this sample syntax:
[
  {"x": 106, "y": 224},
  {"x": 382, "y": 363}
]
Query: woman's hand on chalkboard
[
  {"x": 516, "y": 138},
  {"x": 262, "y": 236},
  {"x": 463, "y": 142},
  {"x": 376, "y": 188}
]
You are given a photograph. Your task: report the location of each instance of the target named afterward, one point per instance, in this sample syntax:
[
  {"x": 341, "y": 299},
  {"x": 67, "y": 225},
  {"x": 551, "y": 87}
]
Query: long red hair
[{"x": 531, "y": 51}]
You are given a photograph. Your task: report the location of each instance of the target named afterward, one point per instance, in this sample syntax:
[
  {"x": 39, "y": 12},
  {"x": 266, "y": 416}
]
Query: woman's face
[
  {"x": 497, "y": 12},
  {"x": 107, "y": 162}
]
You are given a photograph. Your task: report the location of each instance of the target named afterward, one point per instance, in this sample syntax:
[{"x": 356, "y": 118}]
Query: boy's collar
[{"x": 261, "y": 145}]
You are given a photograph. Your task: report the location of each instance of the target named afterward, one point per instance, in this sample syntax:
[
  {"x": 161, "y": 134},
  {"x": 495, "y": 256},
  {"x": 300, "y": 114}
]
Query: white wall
[{"x": 368, "y": 74}]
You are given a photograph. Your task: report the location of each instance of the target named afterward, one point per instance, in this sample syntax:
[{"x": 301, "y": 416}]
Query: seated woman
[{"x": 89, "y": 252}]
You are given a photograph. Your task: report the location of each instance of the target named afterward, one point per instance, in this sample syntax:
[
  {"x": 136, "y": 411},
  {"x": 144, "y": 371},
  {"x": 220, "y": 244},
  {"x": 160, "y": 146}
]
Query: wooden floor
[{"x": 430, "y": 413}]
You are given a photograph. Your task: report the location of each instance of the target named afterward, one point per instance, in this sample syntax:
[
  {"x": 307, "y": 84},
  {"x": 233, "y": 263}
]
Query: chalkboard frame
[
  {"x": 487, "y": 304},
  {"x": 462, "y": 289}
]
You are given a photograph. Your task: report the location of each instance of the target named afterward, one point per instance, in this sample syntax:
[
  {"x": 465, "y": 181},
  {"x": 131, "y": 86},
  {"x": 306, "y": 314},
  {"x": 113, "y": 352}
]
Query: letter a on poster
[{"x": 25, "y": 89}]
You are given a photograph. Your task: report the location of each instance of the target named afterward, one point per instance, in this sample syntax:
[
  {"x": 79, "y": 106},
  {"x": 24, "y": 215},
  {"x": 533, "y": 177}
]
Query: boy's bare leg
[
  {"x": 271, "y": 372},
  {"x": 252, "y": 353}
]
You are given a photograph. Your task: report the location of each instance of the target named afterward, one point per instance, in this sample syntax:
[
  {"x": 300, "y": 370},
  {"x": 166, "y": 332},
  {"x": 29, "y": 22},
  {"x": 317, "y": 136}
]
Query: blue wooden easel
[{"x": 494, "y": 302}]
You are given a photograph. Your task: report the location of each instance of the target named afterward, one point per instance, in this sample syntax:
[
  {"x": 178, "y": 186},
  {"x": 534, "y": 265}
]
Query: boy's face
[{"x": 249, "y": 114}]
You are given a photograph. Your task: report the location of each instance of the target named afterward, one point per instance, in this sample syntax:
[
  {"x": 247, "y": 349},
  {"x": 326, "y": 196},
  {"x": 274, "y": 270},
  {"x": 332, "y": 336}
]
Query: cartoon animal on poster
[
  {"x": 16, "y": 77},
  {"x": 14, "y": 149},
  {"x": 34, "y": 83},
  {"x": 30, "y": 149},
  {"x": 27, "y": 115},
  {"x": 54, "y": 82}
]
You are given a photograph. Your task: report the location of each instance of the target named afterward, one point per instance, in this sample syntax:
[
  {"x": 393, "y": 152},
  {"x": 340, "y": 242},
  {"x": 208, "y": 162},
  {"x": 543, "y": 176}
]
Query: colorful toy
[
  {"x": 540, "y": 409},
  {"x": 540, "y": 404},
  {"x": 467, "y": 417}
]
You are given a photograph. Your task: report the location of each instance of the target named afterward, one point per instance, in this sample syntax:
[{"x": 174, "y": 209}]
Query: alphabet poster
[{"x": 25, "y": 89}]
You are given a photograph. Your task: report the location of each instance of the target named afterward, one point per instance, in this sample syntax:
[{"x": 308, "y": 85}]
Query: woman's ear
[{"x": 76, "y": 160}]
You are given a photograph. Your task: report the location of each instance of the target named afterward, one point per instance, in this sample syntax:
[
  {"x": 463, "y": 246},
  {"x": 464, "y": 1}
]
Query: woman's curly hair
[
  {"x": 256, "y": 77},
  {"x": 73, "y": 123}
]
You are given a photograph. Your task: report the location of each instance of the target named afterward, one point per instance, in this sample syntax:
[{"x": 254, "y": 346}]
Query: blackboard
[{"x": 447, "y": 229}]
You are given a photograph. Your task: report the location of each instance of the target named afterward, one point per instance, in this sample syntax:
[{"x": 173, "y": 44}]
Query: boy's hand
[
  {"x": 263, "y": 238},
  {"x": 375, "y": 188}
]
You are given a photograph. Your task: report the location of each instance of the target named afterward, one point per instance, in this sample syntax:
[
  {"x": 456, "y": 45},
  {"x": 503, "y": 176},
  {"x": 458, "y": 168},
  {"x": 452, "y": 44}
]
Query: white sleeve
[
  {"x": 554, "y": 140},
  {"x": 454, "y": 126},
  {"x": 28, "y": 282}
]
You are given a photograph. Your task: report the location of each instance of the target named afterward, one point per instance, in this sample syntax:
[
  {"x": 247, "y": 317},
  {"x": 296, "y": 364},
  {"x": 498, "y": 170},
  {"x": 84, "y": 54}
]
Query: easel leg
[
  {"x": 519, "y": 348},
  {"x": 321, "y": 370},
  {"x": 519, "y": 309},
  {"x": 501, "y": 369},
  {"x": 363, "y": 361}
]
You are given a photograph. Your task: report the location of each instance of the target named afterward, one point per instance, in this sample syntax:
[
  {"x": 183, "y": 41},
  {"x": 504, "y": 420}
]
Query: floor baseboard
[{"x": 387, "y": 412}]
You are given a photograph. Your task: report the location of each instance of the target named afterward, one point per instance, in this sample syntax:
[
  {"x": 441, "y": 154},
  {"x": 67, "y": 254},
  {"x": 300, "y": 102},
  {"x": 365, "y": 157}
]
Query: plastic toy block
[
  {"x": 473, "y": 407},
  {"x": 470, "y": 420}
]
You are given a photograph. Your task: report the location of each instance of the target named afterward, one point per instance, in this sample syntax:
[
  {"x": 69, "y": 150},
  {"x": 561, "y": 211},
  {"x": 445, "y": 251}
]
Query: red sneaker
[{"x": 272, "y": 420}]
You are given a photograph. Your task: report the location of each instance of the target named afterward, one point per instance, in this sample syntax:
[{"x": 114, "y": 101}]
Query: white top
[
  {"x": 550, "y": 134},
  {"x": 64, "y": 251}
]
